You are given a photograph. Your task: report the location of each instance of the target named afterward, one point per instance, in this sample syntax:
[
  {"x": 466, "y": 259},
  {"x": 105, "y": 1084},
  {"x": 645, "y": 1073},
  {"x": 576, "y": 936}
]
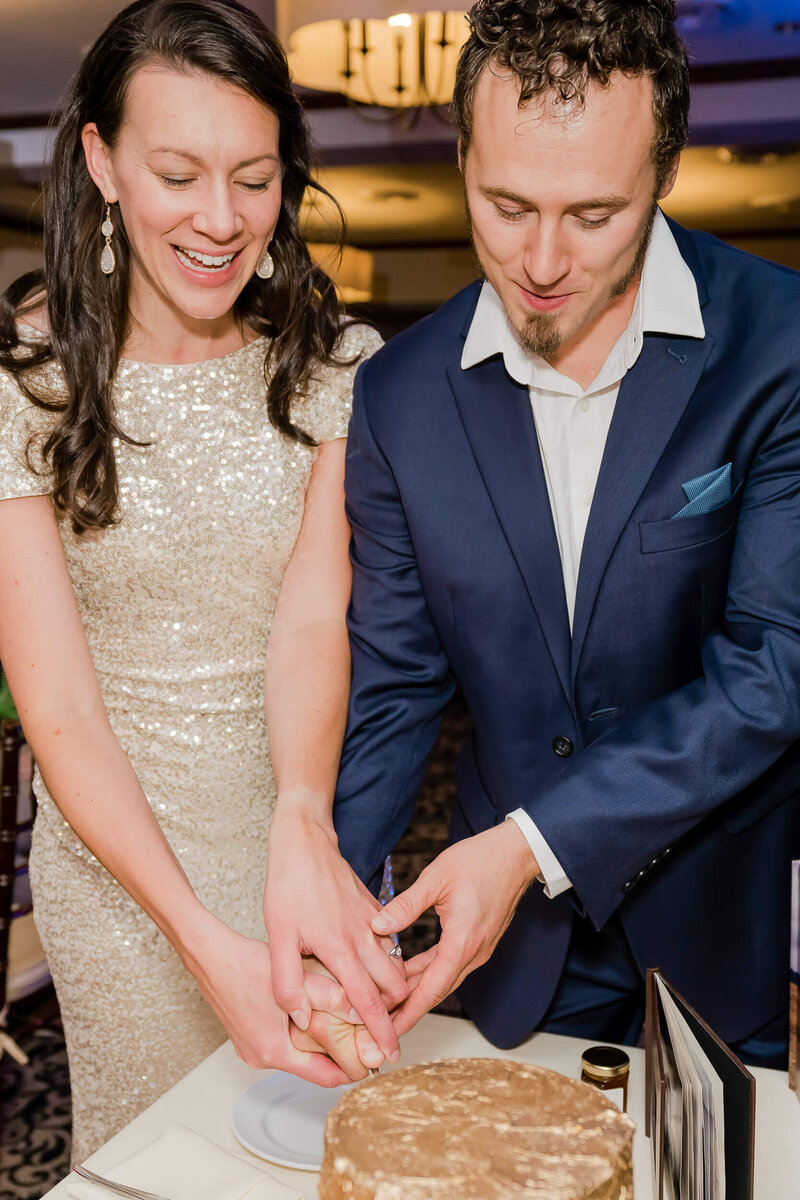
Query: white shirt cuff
[{"x": 551, "y": 871}]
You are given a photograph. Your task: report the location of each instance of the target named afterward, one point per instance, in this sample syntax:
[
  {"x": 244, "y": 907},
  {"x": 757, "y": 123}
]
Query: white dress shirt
[{"x": 572, "y": 423}]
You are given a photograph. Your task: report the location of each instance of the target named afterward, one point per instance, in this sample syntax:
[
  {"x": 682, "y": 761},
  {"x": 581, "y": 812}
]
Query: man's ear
[
  {"x": 98, "y": 162},
  {"x": 669, "y": 178}
]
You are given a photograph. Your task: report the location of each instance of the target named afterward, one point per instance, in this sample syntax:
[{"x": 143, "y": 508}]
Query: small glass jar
[{"x": 608, "y": 1069}]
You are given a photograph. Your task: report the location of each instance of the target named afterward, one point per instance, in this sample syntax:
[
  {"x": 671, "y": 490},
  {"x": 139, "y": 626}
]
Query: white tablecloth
[{"x": 203, "y": 1101}]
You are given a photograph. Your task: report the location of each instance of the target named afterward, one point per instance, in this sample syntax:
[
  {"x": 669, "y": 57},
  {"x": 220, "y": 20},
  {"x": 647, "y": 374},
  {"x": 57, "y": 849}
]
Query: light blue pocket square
[{"x": 706, "y": 492}]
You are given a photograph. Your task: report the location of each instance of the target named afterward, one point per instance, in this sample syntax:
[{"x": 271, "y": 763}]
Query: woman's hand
[
  {"x": 234, "y": 974},
  {"x": 314, "y": 904}
]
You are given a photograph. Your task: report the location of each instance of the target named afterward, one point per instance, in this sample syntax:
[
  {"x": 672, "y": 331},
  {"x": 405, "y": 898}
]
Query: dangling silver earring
[
  {"x": 266, "y": 267},
  {"x": 108, "y": 262}
]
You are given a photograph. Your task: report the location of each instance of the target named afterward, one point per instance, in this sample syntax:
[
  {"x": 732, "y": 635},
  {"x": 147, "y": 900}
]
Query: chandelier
[{"x": 377, "y": 55}]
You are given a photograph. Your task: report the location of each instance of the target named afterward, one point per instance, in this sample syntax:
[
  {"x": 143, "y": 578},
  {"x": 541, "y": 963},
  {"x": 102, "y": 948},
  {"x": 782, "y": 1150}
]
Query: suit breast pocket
[{"x": 687, "y": 533}]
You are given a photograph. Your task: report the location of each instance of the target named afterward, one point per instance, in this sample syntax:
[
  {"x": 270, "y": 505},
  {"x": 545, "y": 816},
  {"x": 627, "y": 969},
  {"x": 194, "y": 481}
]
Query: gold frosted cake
[{"x": 476, "y": 1129}]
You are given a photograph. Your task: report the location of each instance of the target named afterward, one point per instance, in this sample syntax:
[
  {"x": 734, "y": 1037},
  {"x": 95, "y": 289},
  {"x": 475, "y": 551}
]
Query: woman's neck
[{"x": 178, "y": 344}]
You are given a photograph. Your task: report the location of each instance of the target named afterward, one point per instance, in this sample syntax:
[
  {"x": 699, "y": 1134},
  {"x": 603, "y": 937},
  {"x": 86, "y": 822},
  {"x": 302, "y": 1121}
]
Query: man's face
[{"x": 561, "y": 200}]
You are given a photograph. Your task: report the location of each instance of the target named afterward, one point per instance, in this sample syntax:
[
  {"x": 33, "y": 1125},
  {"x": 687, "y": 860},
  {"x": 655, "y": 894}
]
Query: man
[{"x": 574, "y": 494}]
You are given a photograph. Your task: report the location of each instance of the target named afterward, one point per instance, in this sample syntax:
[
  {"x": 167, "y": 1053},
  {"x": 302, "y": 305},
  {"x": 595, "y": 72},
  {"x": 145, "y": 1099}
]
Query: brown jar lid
[{"x": 605, "y": 1062}]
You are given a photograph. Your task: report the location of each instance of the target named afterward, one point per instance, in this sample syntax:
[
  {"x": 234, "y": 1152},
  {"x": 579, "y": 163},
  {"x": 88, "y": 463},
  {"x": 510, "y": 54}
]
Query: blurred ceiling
[
  {"x": 42, "y": 44},
  {"x": 725, "y": 31},
  {"x": 43, "y": 40},
  {"x": 400, "y": 186}
]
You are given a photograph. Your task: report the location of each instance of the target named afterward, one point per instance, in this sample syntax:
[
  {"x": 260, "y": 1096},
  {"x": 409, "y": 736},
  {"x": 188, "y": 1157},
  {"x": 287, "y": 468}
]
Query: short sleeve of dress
[
  {"x": 325, "y": 411},
  {"x": 19, "y": 422}
]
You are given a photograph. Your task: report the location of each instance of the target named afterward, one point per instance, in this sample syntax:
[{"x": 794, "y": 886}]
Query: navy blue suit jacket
[{"x": 680, "y": 685}]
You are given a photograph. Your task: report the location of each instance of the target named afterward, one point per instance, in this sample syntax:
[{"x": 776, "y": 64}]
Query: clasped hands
[{"x": 322, "y": 920}]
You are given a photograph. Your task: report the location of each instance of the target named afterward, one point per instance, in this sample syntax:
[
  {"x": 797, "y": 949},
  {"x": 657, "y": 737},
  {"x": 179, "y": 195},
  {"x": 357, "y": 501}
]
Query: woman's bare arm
[{"x": 49, "y": 667}]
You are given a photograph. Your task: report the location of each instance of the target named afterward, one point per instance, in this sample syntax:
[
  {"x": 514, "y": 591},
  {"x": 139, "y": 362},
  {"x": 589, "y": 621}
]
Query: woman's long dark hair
[{"x": 88, "y": 311}]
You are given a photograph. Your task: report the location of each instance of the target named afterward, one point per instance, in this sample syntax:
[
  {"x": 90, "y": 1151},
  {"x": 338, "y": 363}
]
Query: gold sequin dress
[{"x": 176, "y": 601}]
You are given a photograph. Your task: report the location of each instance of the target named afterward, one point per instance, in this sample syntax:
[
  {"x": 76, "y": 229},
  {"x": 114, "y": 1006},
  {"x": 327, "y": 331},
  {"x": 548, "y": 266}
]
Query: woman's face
[{"x": 197, "y": 175}]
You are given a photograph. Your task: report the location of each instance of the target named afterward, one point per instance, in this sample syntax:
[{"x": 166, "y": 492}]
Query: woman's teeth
[{"x": 204, "y": 262}]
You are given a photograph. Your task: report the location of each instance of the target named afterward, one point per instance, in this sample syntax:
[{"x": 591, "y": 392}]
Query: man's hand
[
  {"x": 330, "y": 1029},
  {"x": 315, "y": 905},
  {"x": 475, "y": 887}
]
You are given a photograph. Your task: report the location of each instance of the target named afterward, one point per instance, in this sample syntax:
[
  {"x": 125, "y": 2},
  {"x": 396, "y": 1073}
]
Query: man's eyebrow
[
  {"x": 187, "y": 154},
  {"x": 611, "y": 203},
  {"x": 505, "y": 194}
]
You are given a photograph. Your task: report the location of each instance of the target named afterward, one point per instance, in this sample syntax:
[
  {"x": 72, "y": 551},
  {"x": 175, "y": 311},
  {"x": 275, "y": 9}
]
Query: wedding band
[{"x": 395, "y": 951}]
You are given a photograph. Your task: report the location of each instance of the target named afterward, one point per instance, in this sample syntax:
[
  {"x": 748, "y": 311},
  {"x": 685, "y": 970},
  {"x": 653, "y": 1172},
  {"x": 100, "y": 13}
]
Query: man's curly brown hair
[{"x": 559, "y": 47}]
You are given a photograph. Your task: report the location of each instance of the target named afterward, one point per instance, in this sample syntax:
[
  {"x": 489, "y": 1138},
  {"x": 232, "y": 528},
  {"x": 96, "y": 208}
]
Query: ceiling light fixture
[{"x": 388, "y": 64}]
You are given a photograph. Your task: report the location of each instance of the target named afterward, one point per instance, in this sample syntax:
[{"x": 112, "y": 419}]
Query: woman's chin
[{"x": 208, "y": 307}]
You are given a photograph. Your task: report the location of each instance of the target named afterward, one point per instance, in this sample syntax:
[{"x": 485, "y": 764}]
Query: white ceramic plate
[{"x": 282, "y": 1118}]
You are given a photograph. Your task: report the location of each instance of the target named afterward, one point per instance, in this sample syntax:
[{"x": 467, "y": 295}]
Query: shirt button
[
  {"x": 585, "y": 404},
  {"x": 587, "y": 497},
  {"x": 562, "y": 746}
]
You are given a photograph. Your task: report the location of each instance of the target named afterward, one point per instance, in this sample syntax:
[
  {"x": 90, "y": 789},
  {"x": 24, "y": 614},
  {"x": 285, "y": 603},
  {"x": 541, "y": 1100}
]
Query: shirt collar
[
  {"x": 666, "y": 302},
  {"x": 668, "y": 291}
]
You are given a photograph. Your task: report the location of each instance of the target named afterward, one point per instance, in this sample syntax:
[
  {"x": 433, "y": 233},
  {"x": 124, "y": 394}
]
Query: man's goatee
[{"x": 540, "y": 335}]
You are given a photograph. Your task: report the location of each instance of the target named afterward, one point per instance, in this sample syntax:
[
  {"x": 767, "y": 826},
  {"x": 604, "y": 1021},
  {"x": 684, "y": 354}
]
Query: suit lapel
[
  {"x": 498, "y": 421},
  {"x": 652, "y": 399}
]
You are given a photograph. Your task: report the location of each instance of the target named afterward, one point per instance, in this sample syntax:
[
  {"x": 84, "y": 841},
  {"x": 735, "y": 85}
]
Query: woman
[{"x": 175, "y": 390}]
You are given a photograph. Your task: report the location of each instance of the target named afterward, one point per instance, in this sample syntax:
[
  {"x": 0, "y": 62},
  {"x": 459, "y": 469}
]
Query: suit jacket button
[
  {"x": 562, "y": 746},
  {"x": 626, "y": 887}
]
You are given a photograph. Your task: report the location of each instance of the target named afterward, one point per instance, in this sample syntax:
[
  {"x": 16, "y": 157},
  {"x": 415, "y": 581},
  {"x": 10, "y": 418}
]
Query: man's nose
[
  {"x": 546, "y": 259},
  {"x": 217, "y": 215}
]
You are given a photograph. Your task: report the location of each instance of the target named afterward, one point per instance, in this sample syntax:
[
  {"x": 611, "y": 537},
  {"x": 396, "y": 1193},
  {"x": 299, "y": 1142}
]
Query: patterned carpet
[{"x": 35, "y": 1100}]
